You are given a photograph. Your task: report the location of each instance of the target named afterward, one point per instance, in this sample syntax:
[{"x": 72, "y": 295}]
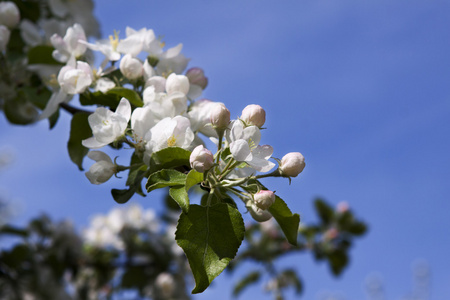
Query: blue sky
[{"x": 361, "y": 88}]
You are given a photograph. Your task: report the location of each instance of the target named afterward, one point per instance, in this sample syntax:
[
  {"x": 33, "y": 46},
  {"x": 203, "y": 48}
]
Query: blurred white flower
[{"x": 69, "y": 47}]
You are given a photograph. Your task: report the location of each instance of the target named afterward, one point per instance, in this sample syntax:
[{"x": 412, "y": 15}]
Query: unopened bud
[
  {"x": 257, "y": 213},
  {"x": 292, "y": 164},
  {"x": 201, "y": 159},
  {"x": 197, "y": 76},
  {"x": 177, "y": 83},
  {"x": 220, "y": 116},
  {"x": 264, "y": 199},
  {"x": 131, "y": 67},
  {"x": 253, "y": 114},
  {"x": 9, "y": 14}
]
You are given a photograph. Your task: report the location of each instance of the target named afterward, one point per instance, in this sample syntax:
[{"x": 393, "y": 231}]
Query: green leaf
[
  {"x": 42, "y": 54},
  {"x": 325, "y": 211},
  {"x": 338, "y": 260},
  {"x": 131, "y": 95},
  {"x": 180, "y": 194},
  {"x": 100, "y": 99},
  {"x": 288, "y": 222},
  {"x": 357, "y": 228},
  {"x": 122, "y": 196},
  {"x": 79, "y": 130},
  {"x": 169, "y": 158},
  {"x": 210, "y": 237},
  {"x": 136, "y": 174},
  {"x": 164, "y": 178},
  {"x": 250, "y": 278}
]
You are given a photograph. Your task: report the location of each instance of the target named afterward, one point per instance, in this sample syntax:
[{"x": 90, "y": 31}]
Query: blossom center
[{"x": 172, "y": 141}]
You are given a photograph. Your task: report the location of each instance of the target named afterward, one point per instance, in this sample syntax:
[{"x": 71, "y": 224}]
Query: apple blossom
[
  {"x": 4, "y": 37},
  {"x": 9, "y": 14},
  {"x": 197, "y": 76},
  {"x": 253, "y": 114},
  {"x": 166, "y": 284},
  {"x": 177, "y": 83},
  {"x": 75, "y": 79},
  {"x": 200, "y": 117},
  {"x": 257, "y": 213},
  {"x": 220, "y": 116},
  {"x": 264, "y": 199},
  {"x": 158, "y": 82},
  {"x": 70, "y": 46},
  {"x": 169, "y": 132},
  {"x": 102, "y": 170},
  {"x": 172, "y": 61},
  {"x": 244, "y": 147},
  {"x": 201, "y": 159},
  {"x": 108, "y": 126},
  {"x": 131, "y": 67},
  {"x": 138, "y": 41},
  {"x": 292, "y": 164}
]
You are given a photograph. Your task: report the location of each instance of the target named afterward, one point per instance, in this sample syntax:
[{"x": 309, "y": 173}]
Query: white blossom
[
  {"x": 244, "y": 147},
  {"x": 138, "y": 41},
  {"x": 108, "y": 126},
  {"x": 69, "y": 46},
  {"x": 264, "y": 199},
  {"x": 260, "y": 215},
  {"x": 131, "y": 67},
  {"x": 169, "y": 132},
  {"x": 75, "y": 79},
  {"x": 103, "y": 169}
]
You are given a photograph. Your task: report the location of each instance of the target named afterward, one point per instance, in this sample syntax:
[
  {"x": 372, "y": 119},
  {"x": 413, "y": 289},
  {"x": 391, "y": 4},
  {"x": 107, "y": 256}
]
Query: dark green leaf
[
  {"x": 326, "y": 212},
  {"x": 357, "y": 228},
  {"x": 291, "y": 278},
  {"x": 130, "y": 95},
  {"x": 79, "y": 130},
  {"x": 288, "y": 222},
  {"x": 136, "y": 174},
  {"x": 6, "y": 229},
  {"x": 122, "y": 196},
  {"x": 338, "y": 260},
  {"x": 42, "y": 54},
  {"x": 169, "y": 158},
  {"x": 100, "y": 99},
  {"x": 28, "y": 9},
  {"x": 250, "y": 278},
  {"x": 165, "y": 178},
  {"x": 210, "y": 237},
  {"x": 20, "y": 111}
]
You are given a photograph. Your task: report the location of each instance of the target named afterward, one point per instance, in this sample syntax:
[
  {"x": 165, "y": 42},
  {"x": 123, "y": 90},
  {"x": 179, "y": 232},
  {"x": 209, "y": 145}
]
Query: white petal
[{"x": 241, "y": 150}]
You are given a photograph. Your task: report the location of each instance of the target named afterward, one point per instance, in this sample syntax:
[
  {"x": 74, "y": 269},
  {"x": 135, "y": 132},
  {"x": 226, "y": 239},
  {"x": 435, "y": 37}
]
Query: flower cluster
[{"x": 147, "y": 101}]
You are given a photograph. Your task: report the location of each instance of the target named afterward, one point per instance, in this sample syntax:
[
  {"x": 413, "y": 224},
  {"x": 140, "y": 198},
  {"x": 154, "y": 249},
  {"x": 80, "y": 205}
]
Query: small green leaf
[
  {"x": 42, "y": 54},
  {"x": 250, "y": 278},
  {"x": 169, "y": 158},
  {"x": 79, "y": 130},
  {"x": 20, "y": 111},
  {"x": 136, "y": 174},
  {"x": 131, "y": 95},
  {"x": 164, "y": 178},
  {"x": 123, "y": 196},
  {"x": 210, "y": 237},
  {"x": 288, "y": 222},
  {"x": 325, "y": 211},
  {"x": 338, "y": 260}
]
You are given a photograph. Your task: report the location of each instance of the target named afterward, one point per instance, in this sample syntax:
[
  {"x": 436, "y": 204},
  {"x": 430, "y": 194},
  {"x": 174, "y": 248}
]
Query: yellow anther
[
  {"x": 172, "y": 141},
  {"x": 114, "y": 40}
]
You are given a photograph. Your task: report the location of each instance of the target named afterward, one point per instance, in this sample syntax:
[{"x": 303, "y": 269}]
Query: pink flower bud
[
  {"x": 253, "y": 114},
  {"x": 264, "y": 199},
  {"x": 257, "y": 213},
  {"x": 201, "y": 159},
  {"x": 197, "y": 76},
  {"x": 292, "y": 164},
  {"x": 220, "y": 116}
]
